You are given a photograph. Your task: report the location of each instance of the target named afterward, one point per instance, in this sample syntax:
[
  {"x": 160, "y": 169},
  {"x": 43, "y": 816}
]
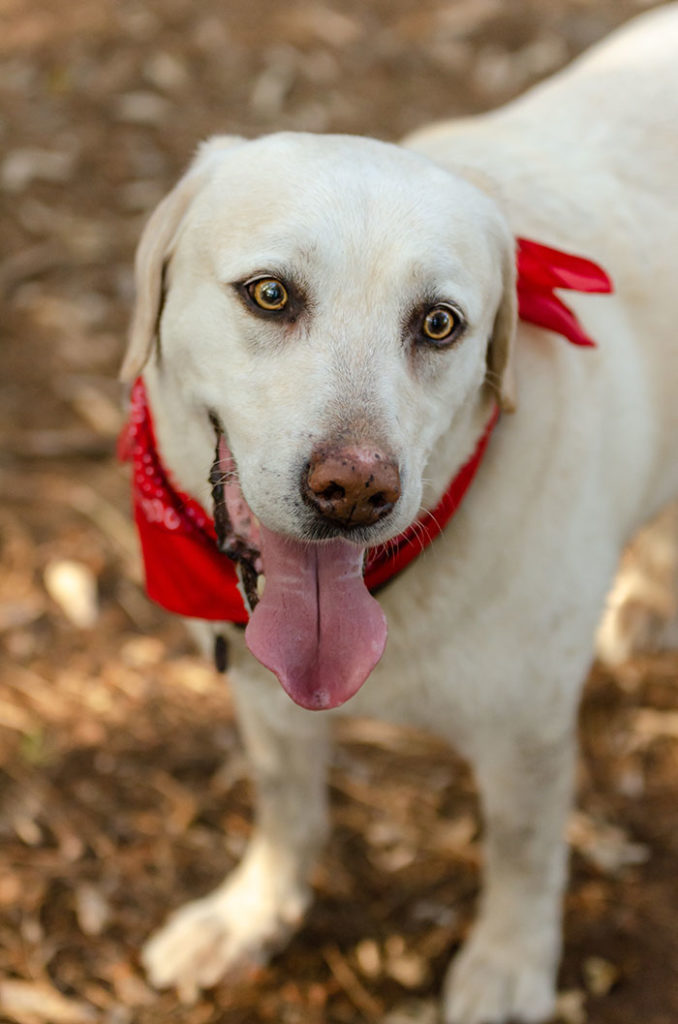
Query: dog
[{"x": 327, "y": 325}]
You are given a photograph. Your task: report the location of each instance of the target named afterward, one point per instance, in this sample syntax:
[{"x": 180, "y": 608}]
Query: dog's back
[
  {"x": 586, "y": 162},
  {"x": 616, "y": 107}
]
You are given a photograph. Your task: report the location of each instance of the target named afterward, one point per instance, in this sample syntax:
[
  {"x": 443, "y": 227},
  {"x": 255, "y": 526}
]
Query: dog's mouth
[{"x": 313, "y": 622}]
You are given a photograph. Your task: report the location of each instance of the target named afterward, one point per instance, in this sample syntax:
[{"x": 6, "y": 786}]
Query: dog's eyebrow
[
  {"x": 270, "y": 268},
  {"x": 273, "y": 256}
]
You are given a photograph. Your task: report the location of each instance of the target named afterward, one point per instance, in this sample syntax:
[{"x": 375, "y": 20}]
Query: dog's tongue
[{"x": 316, "y": 627}]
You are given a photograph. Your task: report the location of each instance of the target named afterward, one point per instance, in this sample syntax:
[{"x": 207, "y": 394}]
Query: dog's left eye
[
  {"x": 268, "y": 293},
  {"x": 441, "y": 324}
]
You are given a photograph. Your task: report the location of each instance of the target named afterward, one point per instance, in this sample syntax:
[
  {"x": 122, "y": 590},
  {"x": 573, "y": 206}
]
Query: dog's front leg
[
  {"x": 262, "y": 902},
  {"x": 507, "y": 968}
]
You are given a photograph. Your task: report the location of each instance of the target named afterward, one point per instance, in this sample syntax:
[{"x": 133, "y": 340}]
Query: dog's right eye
[
  {"x": 268, "y": 294},
  {"x": 442, "y": 324}
]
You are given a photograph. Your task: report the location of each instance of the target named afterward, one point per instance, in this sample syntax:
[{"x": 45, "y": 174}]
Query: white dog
[{"x": 338, "y": 317}]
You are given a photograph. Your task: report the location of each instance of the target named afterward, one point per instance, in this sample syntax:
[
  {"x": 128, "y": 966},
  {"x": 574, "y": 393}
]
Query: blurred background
[{"x": 123, "y": 790}]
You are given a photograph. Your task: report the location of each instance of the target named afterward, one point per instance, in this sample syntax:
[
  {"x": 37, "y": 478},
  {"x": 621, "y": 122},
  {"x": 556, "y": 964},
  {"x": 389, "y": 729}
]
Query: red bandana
[{"x": 186, "y": 573}]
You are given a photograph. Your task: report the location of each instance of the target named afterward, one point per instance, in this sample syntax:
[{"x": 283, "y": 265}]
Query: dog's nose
[{"x": 355, "y": 485}]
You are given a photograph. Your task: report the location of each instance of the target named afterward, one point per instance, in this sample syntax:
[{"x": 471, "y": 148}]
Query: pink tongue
[{"x": 316, "y": 627}]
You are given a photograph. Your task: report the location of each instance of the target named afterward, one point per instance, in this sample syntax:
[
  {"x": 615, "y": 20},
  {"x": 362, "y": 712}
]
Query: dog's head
[{"x": 335, "y": 305}]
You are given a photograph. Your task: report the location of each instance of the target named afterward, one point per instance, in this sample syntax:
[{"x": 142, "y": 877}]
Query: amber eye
[
  {"x": 268, "y": 294},
  {"x": 440, "y": 323}
]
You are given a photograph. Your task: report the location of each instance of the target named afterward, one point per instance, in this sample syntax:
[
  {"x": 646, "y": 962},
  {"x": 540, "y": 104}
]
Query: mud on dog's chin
[{"x": 314, "y": 530}]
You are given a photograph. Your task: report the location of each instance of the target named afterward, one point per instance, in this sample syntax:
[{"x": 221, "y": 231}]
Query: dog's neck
[
  {"x": 456, "y": 446},
  {"x": 184, "y": 435}
]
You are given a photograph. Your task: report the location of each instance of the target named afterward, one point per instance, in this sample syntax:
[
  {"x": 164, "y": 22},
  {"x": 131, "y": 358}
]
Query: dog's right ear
[
  {"x": 500, "y": 356},
  {"x": 155, "y": 248},
  {"x": 501, "y": 375}
]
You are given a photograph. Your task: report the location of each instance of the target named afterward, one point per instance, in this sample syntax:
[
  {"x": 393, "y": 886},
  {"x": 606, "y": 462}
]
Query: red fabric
[
  {"x": 540, "y": 270},
  {"x": 186, "y": 573},
  {"x": 388, "y": 560}
]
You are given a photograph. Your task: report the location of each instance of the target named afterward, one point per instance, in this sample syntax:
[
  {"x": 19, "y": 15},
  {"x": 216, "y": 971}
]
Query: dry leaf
[
  {"x": 142, "y": 108},
  {"x": 571, "y": 1007},
  {"x": 606, "y": 846},
  {"x": 600, "y": 975},
  {"x": 368, "y": 956},
  {"x": 73, "y": 586},
  {"x": 419, "y": 1012},
  {"x": 22, "y": 167},
  {"x": 92, "y": 909},
  {"x": 456, "y": 836},
  {"x": 38, "y": 1001},
  {"x": 648, "y": 724},
  {"x": 409, "y": 969}
]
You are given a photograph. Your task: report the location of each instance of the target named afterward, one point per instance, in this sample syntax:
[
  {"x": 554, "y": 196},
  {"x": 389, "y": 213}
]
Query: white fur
[{"x": 491, "y": 630}]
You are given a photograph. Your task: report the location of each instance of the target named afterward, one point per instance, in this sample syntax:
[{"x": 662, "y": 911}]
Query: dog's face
[{"x": 327, "y": 300}]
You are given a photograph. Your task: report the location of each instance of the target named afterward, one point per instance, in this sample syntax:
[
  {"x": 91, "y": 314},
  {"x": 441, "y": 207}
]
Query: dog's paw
[
  {"x": 491, "y": 983},
  {"x": 223, "y": 936}
]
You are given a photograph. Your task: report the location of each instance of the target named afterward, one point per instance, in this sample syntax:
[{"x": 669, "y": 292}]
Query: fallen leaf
[
  {"x": 22, "y": 167},
  {"x": 648, "y": 724},
  {"x": 38, "y": 1001},
  {"x": 600, "y": 975},
  {"x": 606, "y": 846},
  {"x": 92, "y": 909},
  {"x": 72, "y": 585},
  {"x": 419, "y": 1012},
  {"x": 142, "y": 108},
  {"x": 368, "y": 956},
  {"x": 571, "y": 1007}
]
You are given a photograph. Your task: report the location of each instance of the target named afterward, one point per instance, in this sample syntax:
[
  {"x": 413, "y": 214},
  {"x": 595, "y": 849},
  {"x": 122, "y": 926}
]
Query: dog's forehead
[{"x": 296, "y": 193}]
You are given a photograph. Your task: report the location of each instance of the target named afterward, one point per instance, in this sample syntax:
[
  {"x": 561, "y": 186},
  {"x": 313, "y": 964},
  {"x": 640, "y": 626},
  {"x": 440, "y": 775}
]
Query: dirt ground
[{"x": 124, "y": 791}]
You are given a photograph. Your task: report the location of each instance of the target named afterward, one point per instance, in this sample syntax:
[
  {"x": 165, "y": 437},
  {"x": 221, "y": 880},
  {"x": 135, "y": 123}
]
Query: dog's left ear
[
  {"x": 155, "y": 248},
  {"x": 501, "y": 349}
]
